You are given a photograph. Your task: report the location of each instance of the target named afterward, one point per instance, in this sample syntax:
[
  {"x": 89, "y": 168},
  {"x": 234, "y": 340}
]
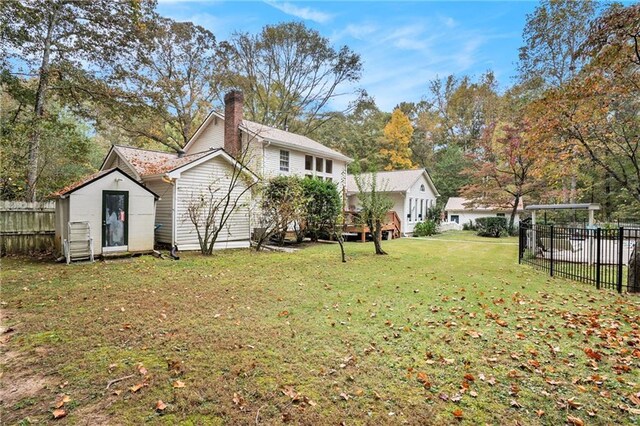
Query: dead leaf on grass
[
  {"x": 136, "y": 388},
  {"x": 59, "y": 413},
  {"x": 178, "y": 384},
  {"x": 458, "y": 414},
  {"x": 575, "y": 421},
  {"x": 160, "y": 406}
]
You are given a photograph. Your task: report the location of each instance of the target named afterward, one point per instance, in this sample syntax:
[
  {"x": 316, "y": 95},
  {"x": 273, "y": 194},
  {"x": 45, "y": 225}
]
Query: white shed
[{"x": 120, "y": 212}]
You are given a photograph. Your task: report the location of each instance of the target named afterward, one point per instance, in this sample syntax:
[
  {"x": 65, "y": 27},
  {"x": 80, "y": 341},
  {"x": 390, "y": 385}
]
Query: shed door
[{"x": 115, "y": 220}]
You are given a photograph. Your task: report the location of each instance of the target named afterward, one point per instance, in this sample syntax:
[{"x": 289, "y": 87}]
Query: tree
[
  {"x": 288, "y": 72},
  {"x": 211, "y": 207},
  {"x": 548, "y": 60},
  {"x": 169, "y": 85},
  {"x": 282, "y": 203},
  {"x": 375, "y": 205},
  {"x": 503, "y": 168},
  {"x": 395, "y": 151},
  {"x": 322, "y": 207},
  {"x": 600, "y": 107},
  {"x": 63, "y": 44},
  {"x": 357, "y": 134}
]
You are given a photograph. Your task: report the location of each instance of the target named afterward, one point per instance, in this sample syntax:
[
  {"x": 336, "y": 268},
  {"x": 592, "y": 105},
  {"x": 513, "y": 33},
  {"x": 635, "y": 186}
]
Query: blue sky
[{"x": 403, "y": 45}]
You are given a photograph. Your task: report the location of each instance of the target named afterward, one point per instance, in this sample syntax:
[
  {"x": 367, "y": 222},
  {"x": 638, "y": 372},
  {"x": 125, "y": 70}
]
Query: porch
[{"x": 353, "y": 225}]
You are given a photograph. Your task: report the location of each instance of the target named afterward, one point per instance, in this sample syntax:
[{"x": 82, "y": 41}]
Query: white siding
[
  {"x": 194, "y": 182},
  {"x": 116, "y": 161},
  {"x": 470, "y": 216},
  {"x": 417, "y": 196},
  {"x": 164, "y": 209},
  {"x": 212, "y": 136},
  {"x": 85, "y": 204},
  {"x": 62, "y": 223}
]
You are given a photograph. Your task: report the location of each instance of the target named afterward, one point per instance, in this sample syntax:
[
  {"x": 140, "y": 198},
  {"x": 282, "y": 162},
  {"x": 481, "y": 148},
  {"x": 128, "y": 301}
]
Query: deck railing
[{"x": 608, "y": 258}]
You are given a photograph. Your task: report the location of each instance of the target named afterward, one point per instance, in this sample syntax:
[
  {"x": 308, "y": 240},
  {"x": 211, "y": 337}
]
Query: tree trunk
[
  {"x": 340, "y": 240},
  {"x": 514, "y": 211},
  {"x": 633, "y": 277},
  {"x": 34, "y": 142},
  {"x": 377, "y": 237}
]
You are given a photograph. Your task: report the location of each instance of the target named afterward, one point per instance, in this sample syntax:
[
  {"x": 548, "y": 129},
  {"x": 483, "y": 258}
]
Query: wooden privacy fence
[{"x": 26, "y": 227}]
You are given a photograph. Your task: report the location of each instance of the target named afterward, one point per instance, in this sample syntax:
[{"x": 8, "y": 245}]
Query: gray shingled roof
[
  {"x": 390, "y": 181},
  {"x": 291, "y": 139},
  {"x": 463, "y": 204}
]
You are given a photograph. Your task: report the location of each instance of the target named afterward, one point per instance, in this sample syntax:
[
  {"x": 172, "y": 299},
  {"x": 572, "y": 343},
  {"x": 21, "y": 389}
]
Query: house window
[
  {"x": 421, "y": 217},
  {"x": 284, "y": 161},
  {"x": 328, "y": 166},
  {"x": 455, "y": 218},
  {"x": 319, "y": 165},
  {"x": 410, "y": 215},
  {"x": 308, "y": 162},
  {"x": 422, "y": 188}
]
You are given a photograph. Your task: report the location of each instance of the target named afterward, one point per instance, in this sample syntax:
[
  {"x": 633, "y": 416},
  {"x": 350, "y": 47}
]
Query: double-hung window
[{"x": 284, "y": 160}]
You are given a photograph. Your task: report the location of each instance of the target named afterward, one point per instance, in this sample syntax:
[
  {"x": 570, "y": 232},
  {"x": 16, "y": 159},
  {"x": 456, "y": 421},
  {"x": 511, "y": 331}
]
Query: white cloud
[{"x": 305, "y": 13}]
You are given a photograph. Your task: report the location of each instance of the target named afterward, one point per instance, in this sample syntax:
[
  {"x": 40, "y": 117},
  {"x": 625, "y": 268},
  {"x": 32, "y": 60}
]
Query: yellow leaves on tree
[{"x": 395, "y": 149}]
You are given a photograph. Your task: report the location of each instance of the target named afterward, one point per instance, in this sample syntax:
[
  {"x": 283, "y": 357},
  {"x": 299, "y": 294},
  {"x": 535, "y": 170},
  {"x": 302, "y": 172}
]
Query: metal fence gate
[{"x": 608, "y": 258}]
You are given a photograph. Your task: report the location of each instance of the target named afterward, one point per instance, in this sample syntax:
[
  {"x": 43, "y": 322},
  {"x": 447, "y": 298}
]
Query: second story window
[
  {"x": 328, "y": 166},
  {"x": 319, "y": 164},
  {"x": 308, "y": 162},
  {"x": 284, "y": 161}
]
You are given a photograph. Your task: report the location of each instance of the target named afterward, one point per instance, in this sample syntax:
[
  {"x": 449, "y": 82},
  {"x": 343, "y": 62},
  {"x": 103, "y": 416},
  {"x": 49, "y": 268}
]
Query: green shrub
[
  {"x": 425, "y": 229},
  {"x": 321, "y": 207},
  {"x": 492, "y": 226},
  {"x": 470, "y": 226}
]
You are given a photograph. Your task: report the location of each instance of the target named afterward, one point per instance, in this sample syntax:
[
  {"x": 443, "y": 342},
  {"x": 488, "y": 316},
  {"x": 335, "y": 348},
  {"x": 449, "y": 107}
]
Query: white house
[
  {"x": 463, "y": 211},
  {"x": 267, "y": 151},
  {"x": 180, "y": 181},
  {"x": 412, "y": 192},
  {"x": 119, "y": 210},
  {"x": 221, "y": 143}
]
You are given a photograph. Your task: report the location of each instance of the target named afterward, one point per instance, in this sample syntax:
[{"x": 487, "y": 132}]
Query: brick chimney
[{"x": 232, "y": 118}]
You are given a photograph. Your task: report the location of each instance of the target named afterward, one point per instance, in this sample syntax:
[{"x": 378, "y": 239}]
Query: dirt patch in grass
[{"x": 435, "y": 333}]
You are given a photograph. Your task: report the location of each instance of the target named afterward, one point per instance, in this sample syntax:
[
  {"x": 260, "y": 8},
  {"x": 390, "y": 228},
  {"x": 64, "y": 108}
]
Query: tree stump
[{"x": 633, "y": 277}]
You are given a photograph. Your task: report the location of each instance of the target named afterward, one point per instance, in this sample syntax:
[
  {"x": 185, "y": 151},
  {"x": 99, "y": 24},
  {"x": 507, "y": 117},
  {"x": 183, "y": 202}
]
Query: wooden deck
[{"x": 353, "y": 226}]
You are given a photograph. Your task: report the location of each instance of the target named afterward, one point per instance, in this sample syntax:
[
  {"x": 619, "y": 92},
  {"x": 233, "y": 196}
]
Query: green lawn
[{"x": 438, "y": 332}]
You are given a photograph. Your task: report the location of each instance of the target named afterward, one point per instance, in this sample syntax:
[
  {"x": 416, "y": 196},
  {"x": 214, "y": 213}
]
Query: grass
[{"x": 438, "y": 332}]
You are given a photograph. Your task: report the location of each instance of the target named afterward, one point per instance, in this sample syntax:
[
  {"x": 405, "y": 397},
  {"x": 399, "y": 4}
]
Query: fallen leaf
[
  {"x": 143, "y": 371},
  {"x": 575, "y": 421},
  {"x": 540, "y": 413},
  {"x": 59, "y": 413},
  {"x": 344, "y": 396},
  {"x": 457, "y": 413},
  {"x": 136, "y": 388},
  {"x": 283, "y": 314},
  {"x": 593, "y": 354},
  {"x": 160, "y": 406},
  {"x": 238, "y": 400},
  {"x": 178, "y": 384}
]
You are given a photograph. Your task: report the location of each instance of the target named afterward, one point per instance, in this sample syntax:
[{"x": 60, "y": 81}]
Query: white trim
[
  {"x": 233, "y": 244},
  {"x": 114, "y": 249},
  {"x": 174, "y": 210},
  {"x": 114, "y": 148}
]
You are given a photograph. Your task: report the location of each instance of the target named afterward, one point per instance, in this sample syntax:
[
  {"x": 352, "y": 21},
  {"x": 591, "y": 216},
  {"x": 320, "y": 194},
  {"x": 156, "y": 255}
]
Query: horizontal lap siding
[
  {"x": 164, "y": 209},
  {"x": 211, "y": 136},
  {"x": 194, "y": 182}
]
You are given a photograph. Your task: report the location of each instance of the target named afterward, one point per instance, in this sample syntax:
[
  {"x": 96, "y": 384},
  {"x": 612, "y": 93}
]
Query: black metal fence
[{"x": 608, "y": 258}]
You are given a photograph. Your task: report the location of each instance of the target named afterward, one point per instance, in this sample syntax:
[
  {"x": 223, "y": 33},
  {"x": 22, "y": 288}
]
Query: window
[
  {"x": 329, "y": 179},
  {"x": 308, "y": 162},
  {"x": 284, "y": 161},
  {"x": 319, "y": 164},
  {"x": 328, "y": 166},
  {"x": 455, "y": 218},
  {"x": 422, "y": 188},
  {"x": 421, "y": 209},
  {"x": 410, "y": 215}
]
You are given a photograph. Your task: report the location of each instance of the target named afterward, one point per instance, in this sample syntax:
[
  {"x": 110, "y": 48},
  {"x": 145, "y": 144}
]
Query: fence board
[{"x": 26, "y": 227}]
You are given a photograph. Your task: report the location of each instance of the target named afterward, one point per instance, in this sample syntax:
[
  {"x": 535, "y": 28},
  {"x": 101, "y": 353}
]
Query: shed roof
[
  {"x": 94, "y": 177},
  {"x": 392, "y": 181},
  {"x": 464, "y": 204},
  {"x": 147, "y": 162}
]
